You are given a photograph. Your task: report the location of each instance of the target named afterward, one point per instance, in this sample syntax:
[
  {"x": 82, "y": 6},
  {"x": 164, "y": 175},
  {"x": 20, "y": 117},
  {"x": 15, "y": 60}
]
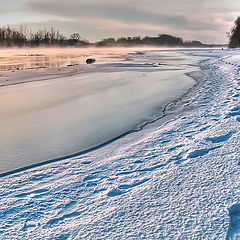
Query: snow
[{"x": 177, "y": 178}]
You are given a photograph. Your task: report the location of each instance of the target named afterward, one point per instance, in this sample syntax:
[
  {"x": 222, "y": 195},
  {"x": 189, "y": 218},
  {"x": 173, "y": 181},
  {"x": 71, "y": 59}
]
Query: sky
[{"x": 204, "y": 20}]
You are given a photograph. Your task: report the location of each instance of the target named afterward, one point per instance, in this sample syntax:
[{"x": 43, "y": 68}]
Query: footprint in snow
[
  {"x": 221, "y": 138},
  {"x": 123, "y": 188},
  {"x": 234, "y": 224}
]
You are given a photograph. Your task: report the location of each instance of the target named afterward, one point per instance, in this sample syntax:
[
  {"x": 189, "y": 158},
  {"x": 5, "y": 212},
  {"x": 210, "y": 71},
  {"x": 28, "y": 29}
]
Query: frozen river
[{"x": 50, "y": 119}]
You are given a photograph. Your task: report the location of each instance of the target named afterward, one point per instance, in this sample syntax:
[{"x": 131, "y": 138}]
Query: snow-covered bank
[
  {"x": 49, "y": 119},
  {"x": 175, "y": 179}
]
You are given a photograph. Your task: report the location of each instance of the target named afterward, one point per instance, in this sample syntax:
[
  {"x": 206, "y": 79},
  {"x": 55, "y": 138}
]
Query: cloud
[
  {"x": 107, "y": 11},
  {"x": 97, "y": 29},
  {"x": 206, "y": 19}
]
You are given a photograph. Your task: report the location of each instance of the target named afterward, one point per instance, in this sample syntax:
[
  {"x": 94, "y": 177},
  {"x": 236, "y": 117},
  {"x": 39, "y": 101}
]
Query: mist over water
[
  {"x": 28, "y": 58},
  {"x": 50, "y": 119}
]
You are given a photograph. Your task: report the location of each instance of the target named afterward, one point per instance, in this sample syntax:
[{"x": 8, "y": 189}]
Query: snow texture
[{"x": 177, "y": 178}]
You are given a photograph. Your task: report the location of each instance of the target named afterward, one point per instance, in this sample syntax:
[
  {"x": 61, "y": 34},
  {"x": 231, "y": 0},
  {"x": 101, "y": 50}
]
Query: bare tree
[{"x": 23, "y": 36}]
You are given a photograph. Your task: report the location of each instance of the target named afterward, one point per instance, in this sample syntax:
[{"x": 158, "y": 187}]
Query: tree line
[
  {"x": 161, "y": 39},
  {"x": 22, "y": 36}
]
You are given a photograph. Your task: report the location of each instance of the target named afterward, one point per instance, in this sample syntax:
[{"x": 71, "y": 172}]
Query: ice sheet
[{"x": 50, "y": 119}]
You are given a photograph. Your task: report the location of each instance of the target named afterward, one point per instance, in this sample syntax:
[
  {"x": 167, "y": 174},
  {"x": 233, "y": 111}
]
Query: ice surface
[
  {"x": 46, "y": 120},
  {"x": 178, "y": 178}
]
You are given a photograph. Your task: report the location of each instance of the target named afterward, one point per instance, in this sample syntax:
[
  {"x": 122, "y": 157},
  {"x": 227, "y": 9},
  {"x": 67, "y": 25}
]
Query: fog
[{"x": 33, "y": 58}]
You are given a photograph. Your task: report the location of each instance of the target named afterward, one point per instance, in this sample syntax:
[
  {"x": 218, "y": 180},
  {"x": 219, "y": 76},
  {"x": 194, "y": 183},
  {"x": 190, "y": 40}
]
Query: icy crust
[{"x": 174, "y": 180}]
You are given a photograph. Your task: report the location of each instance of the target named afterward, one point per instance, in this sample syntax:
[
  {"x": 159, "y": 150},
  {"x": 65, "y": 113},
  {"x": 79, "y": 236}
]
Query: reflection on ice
[{"x": 49, "y": 119}]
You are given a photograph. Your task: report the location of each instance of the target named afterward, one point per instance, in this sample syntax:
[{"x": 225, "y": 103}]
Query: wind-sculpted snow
[{"x": 178, "y": 178}]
